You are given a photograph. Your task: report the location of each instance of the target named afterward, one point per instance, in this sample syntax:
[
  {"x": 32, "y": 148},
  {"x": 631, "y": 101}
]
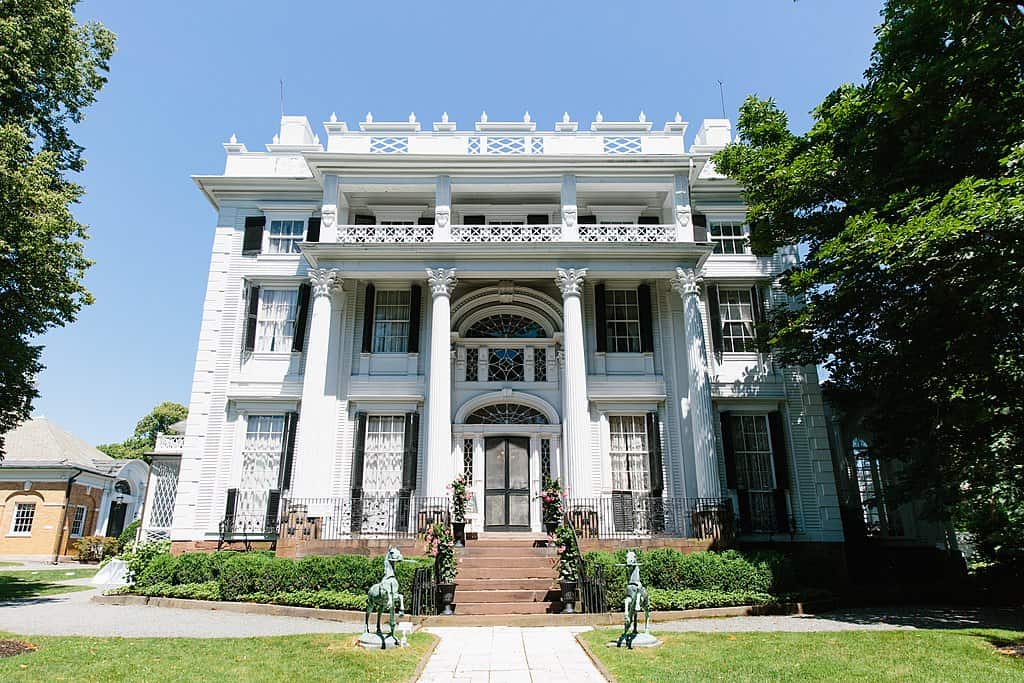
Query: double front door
[{"x": 507, "y": 483}]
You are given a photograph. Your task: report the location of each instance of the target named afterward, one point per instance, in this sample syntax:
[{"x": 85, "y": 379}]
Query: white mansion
[{"x": 400, "y": 305}]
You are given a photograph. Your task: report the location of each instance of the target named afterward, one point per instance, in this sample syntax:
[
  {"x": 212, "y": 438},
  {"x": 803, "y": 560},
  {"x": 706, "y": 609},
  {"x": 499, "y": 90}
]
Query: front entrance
[
  {"x": 507, "y": 483},
  {"x": 115, "y": 525}
]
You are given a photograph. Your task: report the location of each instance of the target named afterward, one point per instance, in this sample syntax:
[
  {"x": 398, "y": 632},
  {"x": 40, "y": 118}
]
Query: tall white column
[
  {"x": 575, "y": 405},
  {"x": 314, "y": 456},
  {"x": 697, "y": 405},
  {"x": 439, "y": 470}
]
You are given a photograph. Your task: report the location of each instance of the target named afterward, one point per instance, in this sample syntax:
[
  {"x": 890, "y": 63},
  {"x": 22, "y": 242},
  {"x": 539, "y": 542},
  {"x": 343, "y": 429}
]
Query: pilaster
[
  {"x": 443, "y": 209},
  {"x": 681, "y": 212},
  {"x": 570, "y": 229}
]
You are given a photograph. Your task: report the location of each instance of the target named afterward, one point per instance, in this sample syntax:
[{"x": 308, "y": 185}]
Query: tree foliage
[
  {"x": 158, "y": 421},
  {"x": 908, "y": 192},
  {"x": 51, "y": 68}
]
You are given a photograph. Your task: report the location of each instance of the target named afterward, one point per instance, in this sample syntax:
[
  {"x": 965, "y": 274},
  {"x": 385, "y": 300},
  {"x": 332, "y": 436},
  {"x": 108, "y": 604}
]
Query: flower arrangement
[
  {"x": 438, "y": 538},
  {"x": 551, "y": 496},
  {"x": 460, "y": 496},
  {"x": 568, "y": 560}
]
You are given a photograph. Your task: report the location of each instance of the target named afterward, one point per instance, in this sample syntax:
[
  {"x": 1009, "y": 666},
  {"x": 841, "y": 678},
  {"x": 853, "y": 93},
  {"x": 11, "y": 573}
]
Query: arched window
[
  {"x": 123, "y": 487},
  {"x": 506, "y": 414},
  {"x": 505, "y": 326}
]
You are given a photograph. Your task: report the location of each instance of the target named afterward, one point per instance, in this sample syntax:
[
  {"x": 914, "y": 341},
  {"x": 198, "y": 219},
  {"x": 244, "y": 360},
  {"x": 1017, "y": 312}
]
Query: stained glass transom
[
  {"x": 505, "y": 365},
  {"x": 506, "y": 326},
  {"x": 507, "y": 414}
]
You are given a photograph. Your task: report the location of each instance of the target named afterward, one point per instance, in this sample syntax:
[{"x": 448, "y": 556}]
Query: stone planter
[
  {"x": 568, "y": 596},
  {"x": 459, "y": 534},
  {"x": 445, "y": 598}
]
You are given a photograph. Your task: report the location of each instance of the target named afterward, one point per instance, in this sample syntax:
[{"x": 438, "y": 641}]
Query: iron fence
[
  {"x": 626, "y": 515},
  {"x": 424, "y": 592},
  {"x": 397, "y": 516},
  {"x": 248, "y": 525}
]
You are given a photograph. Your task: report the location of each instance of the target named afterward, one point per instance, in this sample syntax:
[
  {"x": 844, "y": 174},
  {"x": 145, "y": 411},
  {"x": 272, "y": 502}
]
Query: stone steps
[
  {"x": 502, "y": 574},
  {"x": 544, "y": 571},
  {"x": 503, "y": 608},
  {"x": 475, "y": 596},
  {"x": 494, "y": 584}
]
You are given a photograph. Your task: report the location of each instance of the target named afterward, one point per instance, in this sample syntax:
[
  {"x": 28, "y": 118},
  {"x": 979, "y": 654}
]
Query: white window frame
[
  {"x": 633, "y": 343},
  {"x": 16, "y": 517},
  {"x": 383, "y": 448},
  {"x": 279, "y": 342},
  {"x": 78, "y": 524},
  {"x": 634, "y": 450},
  {"x": 747, "y": 341},
  {"x": 720, "y": 240},
  {"x": 391, "y": 343},
  {"x": 275, "y": 216},
  {"x": 252, "y": 491}
]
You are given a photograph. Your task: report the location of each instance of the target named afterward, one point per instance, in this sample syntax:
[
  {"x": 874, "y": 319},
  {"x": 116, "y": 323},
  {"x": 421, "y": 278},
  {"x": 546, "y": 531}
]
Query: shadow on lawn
[
  {"x": 931, "y": 617},
  {"x": 19, "y": 588}
]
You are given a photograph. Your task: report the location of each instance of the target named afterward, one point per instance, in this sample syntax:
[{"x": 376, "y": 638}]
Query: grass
[
  {"x": 15, "y": 585},
  {"x": 282, "y": 658},
  {"x": 920, "y": 655}
]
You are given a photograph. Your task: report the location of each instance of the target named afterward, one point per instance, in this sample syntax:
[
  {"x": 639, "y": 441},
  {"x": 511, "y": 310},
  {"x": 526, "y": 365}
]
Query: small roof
[{"x": 38, "y": 442}]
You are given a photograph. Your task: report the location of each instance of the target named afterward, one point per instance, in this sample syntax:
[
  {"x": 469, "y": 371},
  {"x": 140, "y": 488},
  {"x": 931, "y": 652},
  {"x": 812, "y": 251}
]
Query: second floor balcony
[{"x": 499, "y": 233}]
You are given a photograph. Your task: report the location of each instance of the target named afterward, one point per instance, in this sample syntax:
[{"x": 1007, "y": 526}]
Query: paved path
[
  {"x": 72, "y": 614},
  {"x": 502, "y": 654}
]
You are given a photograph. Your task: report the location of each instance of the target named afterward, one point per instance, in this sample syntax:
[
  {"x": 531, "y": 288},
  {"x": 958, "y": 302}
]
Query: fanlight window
[
  {"x": 506, "y": 326},
  {"x": 506, "y": 414}
]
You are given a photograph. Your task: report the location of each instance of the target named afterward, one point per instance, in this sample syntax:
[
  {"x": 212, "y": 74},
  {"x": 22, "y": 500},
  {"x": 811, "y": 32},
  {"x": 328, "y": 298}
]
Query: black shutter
[
  {"x": 728, "y": 450},
  {"x": 700, "y": 227},
  {"x": 601, "y": 318},
  {"x": 780, "y": 502},
  {"x": 474, "y": 220},
  {"x": 427, "y": 220},
  {"x": 586, "y": 220},
  {"x": 654, "y": 453},
  {"x": 648, "y": 220},
  {"x": 251, "y": 311},
  {"x": 273, "y": 508},
  {"x": 291, "y": 423},
  {"x": 643, "y": 298},
  {"x": 745, "y": 522},
  {"x": 415, "y": 303},
  {"x": 779, "y": 455},
  {"x": 357, "y": 472},
  {"x": 538, "y": 219},
  {"x": 623, "y": 517},
  {"x": 716, "y": 318},
  {"x": 252, "y": 239},
  {"x": 313, "y": 229},
  {"x": 229, "y": 510},
  {"x": 365, "y": 220},
  {"x": 411, "y": 454},
  {"x": 756, "y": 304},
  {"x": 368, "y": 305},
  {"x": 302, "y": 319}
]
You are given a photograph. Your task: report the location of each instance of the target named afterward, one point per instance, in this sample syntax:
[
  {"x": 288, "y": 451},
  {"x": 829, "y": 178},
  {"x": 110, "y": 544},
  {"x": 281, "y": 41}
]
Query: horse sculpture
[
  {"x": 636, "y": 599},
  {"x": 382, "y": 596}
]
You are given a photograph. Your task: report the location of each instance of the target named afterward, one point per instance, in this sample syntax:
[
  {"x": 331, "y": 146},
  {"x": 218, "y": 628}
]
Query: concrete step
[
  {"x": 546, "y": 572},
  {"x": 505, "y": 584},
  {"x": 506, "y": 551},
  {"x": 506, "y": 607},
  {"x": 465, "y": 597},
  {"x": 505, "y": 562}
]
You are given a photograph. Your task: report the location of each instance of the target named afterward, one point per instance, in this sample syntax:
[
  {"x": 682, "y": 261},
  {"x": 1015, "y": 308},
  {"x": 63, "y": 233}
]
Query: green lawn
[
  {"x": 36, "y": 583},
  {"x": 923, "y": 655},
  {"x": 317, "y": 657}
]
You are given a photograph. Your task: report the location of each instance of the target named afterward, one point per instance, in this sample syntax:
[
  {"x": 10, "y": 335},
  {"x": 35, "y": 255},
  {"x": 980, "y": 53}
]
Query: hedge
[
  {"x": 697, "y": 598},
  {"x": 208, "y": 590},
  {"x": 320, "y": 599}
]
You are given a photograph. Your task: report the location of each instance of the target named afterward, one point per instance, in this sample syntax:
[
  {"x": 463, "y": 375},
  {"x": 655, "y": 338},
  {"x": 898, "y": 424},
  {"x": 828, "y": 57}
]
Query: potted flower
[
  {"x": 551, "y": 496},
  {"x": 568, "y": 564},
  {"x": 460, "y": 496},
  {"x": 439, "y": 546}
]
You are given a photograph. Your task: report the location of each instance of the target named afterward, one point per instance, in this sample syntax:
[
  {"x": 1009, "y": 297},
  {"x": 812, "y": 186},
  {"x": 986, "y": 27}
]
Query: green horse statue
[
  {"x": 636, "y": 599},
  {"x": 382, "y": 596}
]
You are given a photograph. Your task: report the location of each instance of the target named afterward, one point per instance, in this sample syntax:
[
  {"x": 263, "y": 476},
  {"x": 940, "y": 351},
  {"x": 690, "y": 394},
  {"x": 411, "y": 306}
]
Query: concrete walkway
[{"x": 503, "y": 654}]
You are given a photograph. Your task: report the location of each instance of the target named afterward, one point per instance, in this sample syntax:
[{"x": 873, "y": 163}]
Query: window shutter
[
  {"x": 291, "y": 423},
  {"x": 368, "y": 306},
  {"x": 252, "y": 239},
  {"x": 357, "y": 472},
  {"x": 779, "y": 456},
  {"x": 643, "y": 298},
  {"x": 313, "y": 229},
  {"x": 716, "y": 318},
  {"x": 365, "y": 220},
  {"x": 601, "y": 318},
  {"x": 586, "y": 220},
  {"x": 415, "y": 303},
  {"x": 756, "y": 304},
  {"x": 229, "y": 507},
  {"x": 411, "y": 455},
  {"x": 700, "y": 227},
  {"x": 302, "y": 319},
  {"x": 273, "y": 509},
  {"x": 654, "y": 454},
  {"x": 622, "y": 511},
  {"x": 474, "y": 220},
  {"x": 648, "y": 220},
  {"x": 538, "y": 219},
  {"x": 728, "y": 450},
  {"x": 744, "y": 500},
  {"x": 780, "y": 501},
  {"x": 426, "y": 220},
  {"x": 252, "y": 311}
]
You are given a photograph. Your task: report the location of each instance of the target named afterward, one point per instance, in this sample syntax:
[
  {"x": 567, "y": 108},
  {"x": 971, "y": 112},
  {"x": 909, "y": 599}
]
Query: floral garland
[
  {"x": 551, "y": 496},
  {"x": 440, "y": 546},
  {"x": 460, "y": 496}
]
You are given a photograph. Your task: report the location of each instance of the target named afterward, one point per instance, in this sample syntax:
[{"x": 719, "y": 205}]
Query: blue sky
[{"x": 189, "y": 74}]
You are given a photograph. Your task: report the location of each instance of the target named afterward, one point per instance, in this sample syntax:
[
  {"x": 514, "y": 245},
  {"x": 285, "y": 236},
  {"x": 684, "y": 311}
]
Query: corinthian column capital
[
  {"x": 570, "y": 280},
  {"x": 686, "y": 281},
  {"x": 442, "y": 281},
  {"x": 324, "y": 281}
]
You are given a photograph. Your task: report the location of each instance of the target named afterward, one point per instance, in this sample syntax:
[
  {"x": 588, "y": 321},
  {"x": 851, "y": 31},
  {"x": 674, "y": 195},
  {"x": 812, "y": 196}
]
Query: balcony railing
[
  {"x": 389, "y": 517},
  {"x": 628, "y": 516},
  {"x": 627, "y": 232},
  {"x": 169, "y": 443},
  {"x": 512, "y": 234},
  {"x": 506, "y": 233}
]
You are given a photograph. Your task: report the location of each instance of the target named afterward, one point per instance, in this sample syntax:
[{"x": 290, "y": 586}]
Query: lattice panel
[
  {"x": 627, "y": 232},
  {"x": 474, "y": 145},
  {"x": 472, "y": 365},
  {"x": 537, "y": 145},
  {"x": 545, "y": 457},
  {"x": 165, "y": 488},
  {"x": 389, "y": 145},
  {"x": 506, "y": 145},
  {"x": 506, "y": 233},
  {"x": 385, "y": 234},
  {"x": 621, "y": 145},
  {"x": 540, "y": 365}
]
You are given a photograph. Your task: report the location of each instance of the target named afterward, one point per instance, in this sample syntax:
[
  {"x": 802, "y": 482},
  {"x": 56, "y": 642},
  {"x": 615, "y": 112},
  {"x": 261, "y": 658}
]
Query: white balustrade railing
[
  {"x": 170, "y": 443},
  {"x": 498, "y": 234}
]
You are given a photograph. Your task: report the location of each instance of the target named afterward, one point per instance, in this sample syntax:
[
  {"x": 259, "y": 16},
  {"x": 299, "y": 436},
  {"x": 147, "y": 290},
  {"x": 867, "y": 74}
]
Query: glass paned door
[{"x": 507, "y": 483}]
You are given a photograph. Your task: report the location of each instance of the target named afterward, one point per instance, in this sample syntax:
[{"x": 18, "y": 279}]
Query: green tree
[
  {"x": 51, "y": 68},
  {"x": 907, "y": 193},
  {"x": 144, "y": 439}
]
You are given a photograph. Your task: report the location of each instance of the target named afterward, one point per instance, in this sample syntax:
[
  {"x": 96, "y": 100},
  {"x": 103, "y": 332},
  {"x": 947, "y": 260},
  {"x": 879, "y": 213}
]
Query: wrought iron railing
[
  {"x": 593, "y": 589},
  {"x": 627, "y": 515},
  {"x": 248, "y": 525},
  {"x": 396, "y": 516},
  {"x": 424, "y": 592}
]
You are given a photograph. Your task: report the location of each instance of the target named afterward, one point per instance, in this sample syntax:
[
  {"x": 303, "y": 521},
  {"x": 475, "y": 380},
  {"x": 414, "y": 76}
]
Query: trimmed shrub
[
  {"x": 703, "y": 599},
  {"x": 317, "y": 599},
  {"x": 239, "y": 574},
  {"x": 95, "y": 548},
  {"x": 139, "y": 556},
  {"x": 208, "y": 590},
  {"x": 160, "y": 570},
  {"x": 277, "y": 575},
  {"x": 194, "y": 568}
]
